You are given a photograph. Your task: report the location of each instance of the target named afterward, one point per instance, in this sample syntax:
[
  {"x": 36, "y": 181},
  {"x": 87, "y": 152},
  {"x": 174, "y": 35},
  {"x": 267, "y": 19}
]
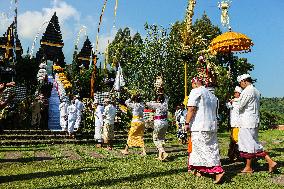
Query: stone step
[
  {"x": 51, "y": 141},
  {"x": 32, "y": 132},
  {"x": 31, "y": 137},
  {"x": 56, "y": 136},
  {"x": 60, "y": 141},
  {"x": 49, "y": 132}
]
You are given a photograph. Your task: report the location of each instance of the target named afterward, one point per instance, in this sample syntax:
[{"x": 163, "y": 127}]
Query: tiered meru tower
[
  {"x": 7, "y": 44},
  {"x": 51, "y": 43},
  {"x": 85, "y": 55}
]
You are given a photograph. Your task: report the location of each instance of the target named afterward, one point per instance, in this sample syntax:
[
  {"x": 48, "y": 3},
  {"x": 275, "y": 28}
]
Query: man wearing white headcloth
[
  {"x": 98, "y": 121},
  {"x": 72, "y": 115},
  {"x": 233, "y": 106},
  {"x": 63, "y": 113},
  {"x": 80, "y": 108},
  {"x": 249, "y": 104},
  {"x": 201, "y": 121}
]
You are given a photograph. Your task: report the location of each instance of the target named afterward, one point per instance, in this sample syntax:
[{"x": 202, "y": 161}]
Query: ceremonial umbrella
[{"x": 230, "y": 42}]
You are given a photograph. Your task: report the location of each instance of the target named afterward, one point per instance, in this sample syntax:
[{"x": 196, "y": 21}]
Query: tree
[
  {"x": 26, "y": 73},
  {"x": 162, "y": 53},
  {"x": 268, "y": 119}
]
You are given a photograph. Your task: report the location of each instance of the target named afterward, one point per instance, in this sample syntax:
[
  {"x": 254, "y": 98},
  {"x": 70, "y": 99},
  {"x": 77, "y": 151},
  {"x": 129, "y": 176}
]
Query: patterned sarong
[{"x": 204, "y": 156}]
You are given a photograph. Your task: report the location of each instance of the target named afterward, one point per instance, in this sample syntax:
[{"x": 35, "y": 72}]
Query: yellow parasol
[
  {"x": 68, "y": 85},
  {"x": 61, "y": 74},
  {"x": 65, "y": 81},
  {"x": 231, "y": 42}
]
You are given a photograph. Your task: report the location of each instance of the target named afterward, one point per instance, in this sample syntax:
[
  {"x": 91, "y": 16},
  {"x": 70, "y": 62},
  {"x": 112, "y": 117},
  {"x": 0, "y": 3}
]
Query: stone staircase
[
  {"x": 33, "y": 137},
  {"x": 53, "y": 112}
]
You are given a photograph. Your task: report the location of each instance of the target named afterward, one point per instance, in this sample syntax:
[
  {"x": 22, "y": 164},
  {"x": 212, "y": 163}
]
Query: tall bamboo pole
[{"x": 187, "y": 35}]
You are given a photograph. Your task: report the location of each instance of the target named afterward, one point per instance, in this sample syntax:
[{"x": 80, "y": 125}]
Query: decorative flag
[
  {"x": 115, "y": 10},
  {"x": 119, "y": 80},
  {"x": 100, "y": 21},
  {"x": 93, "y": 79}
]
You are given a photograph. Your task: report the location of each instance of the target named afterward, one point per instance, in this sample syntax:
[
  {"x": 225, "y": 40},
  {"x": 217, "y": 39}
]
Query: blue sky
[{"x": 261, "y": 20}]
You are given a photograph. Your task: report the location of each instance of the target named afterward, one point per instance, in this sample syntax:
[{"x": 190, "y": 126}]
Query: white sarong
[
  {"x": 205, "y": 149},
  {"x": 248, "y": 140}
]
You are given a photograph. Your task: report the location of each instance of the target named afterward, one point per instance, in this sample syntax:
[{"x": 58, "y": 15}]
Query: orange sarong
[{"x": 189, "y": 145}]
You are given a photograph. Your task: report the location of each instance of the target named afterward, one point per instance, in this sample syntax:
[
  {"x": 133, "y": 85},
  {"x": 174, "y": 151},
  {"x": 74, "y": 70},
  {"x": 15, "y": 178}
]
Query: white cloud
[
  {"x": 5, "y": 22},
  {"x": 29, "y": 22},
  {"x": 70, "y": 21}
]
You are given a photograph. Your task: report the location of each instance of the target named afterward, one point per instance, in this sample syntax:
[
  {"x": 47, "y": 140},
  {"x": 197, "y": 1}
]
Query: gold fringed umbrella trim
[
  {"x": 10, "y": 47},
  {"x": 229, "y": 42},
  {"x": 52, "y": 44},
  {"x": 83, "y": 58}
]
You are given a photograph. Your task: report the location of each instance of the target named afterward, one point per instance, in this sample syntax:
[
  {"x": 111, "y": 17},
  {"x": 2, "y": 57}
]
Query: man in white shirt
[
  {"x": 63, "y": 112},
  {"x": 202, "y": 117},
  {"x": 233, "y": 106},
  {"x": 72, "y": 114},
  {"x": 80, "y": 108},
  {"x": 249, "y": 104},
  {"x": 108, "y": 127},
  {"x": 98, "y": 122}
]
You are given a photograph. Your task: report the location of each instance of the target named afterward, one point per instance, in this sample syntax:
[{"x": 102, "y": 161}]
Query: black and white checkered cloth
[
  {"x": 101, "y": 96},
  {"x": 21, "y": 93}
]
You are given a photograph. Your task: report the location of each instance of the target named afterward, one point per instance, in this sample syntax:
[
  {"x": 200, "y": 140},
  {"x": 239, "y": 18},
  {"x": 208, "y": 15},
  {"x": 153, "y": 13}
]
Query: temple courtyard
[{"x": 85, "y": 166}]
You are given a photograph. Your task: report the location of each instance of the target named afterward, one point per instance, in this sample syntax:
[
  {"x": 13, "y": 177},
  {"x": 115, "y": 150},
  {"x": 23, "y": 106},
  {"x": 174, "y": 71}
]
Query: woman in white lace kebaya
[
  {"x": 160, "y": 124},
  {"x": 201, "y": 120},
  {"x": 136, "y": 132}
]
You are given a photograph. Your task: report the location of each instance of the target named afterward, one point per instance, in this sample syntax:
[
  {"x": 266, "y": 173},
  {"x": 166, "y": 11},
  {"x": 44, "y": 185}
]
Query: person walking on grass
[
  {"x": 180, "y": 119},
  {"x": 160, "y": 124},
  {"x": 136, "y": 132},
  {"x": 233, "y": 106},
  {"x": 249, "y": 104},
  {"x": 201, "y": 121},
  {"x": 108, "y": 127}
]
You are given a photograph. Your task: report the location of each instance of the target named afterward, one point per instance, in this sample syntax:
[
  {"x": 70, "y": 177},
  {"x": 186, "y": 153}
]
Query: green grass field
[{"x": 84, "y": 166}]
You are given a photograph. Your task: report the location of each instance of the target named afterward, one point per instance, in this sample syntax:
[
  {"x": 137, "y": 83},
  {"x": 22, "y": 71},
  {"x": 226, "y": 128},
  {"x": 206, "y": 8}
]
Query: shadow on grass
[
  {"x": 36, "y": 175},
  {"x": 167, "y": 149},
  {"x": 26, "y": 160},
  {"x": 175, "y": 156},
  {"x": 272, "y": 154},
  {"x": 17, "y": 149},
  {"x": 264, "y": 167},
  {"x": 233, "y": 169},
  {"x": 278, "y": 149},
  {"x": 132, "y": 178},
  {"x": 22, "y": 148}
]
